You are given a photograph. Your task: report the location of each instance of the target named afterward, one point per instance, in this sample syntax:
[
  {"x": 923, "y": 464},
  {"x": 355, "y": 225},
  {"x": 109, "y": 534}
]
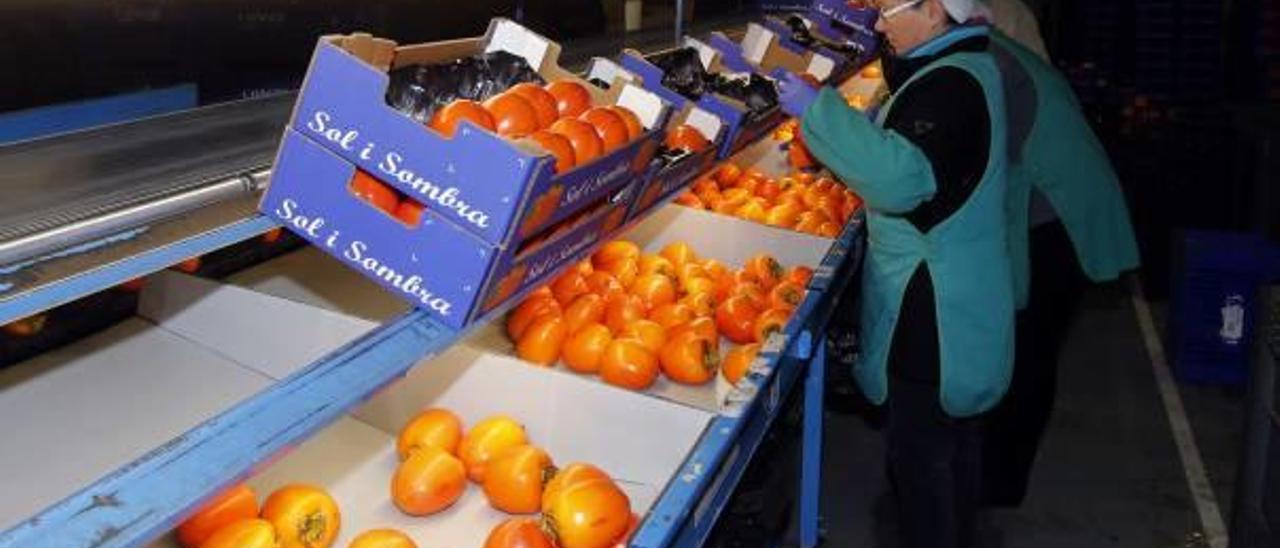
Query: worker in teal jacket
[
  {"x": 1063, "y": 197},
  {"x": 937, "y": 288}
]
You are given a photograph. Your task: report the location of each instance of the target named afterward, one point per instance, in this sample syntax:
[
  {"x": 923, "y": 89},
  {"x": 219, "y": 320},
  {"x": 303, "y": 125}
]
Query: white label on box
[
  {"x": 607, "y": 71},
  {"x": 709, "y": 124},
  {"x": 646, "y": 105},
  {"x": 820, "y": 66},
  {"x": 706, "y": 54},
  {"x": 756, "y": 42},
  {"x": 511, "y": 37}
]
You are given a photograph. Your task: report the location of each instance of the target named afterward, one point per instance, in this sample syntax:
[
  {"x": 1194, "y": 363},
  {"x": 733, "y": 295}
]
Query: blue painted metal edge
[
  {"x": 704, "y": 483},
  {"x": 141, "y": 264},
  {"x": 152, "y": 495},
  {"x": 40, "y": 122}
]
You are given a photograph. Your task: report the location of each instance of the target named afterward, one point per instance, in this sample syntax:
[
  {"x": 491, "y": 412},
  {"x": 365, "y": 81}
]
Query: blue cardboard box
[
  {"x": 763, "y": 52},
  {"x": 436, "y": 265},
  {"x": 496, "y": 217},
  {"x": 834, "y": 21},
  {"x": 741, "y": 128},
  {"x": 497, "y": 189},
  {"x": 665, "y": 180}
]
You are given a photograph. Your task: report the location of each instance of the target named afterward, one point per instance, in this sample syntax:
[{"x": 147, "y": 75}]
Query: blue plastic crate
[{"x": 1213, "y": 307}]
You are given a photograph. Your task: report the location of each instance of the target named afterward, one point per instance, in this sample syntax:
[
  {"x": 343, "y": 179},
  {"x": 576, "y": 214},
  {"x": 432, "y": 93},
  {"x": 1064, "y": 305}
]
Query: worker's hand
[{"x": 795, "y": 94}]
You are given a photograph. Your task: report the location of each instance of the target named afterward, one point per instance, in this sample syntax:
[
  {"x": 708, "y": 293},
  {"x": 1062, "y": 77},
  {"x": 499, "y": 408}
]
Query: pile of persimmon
[
  {"x": 579, "y": 505},
  {"x": 802, "y": 201},
  {"x": 629, "y": 316},
  {"x": 559, "y": 117},
  {"x": 293, "y": 515}
]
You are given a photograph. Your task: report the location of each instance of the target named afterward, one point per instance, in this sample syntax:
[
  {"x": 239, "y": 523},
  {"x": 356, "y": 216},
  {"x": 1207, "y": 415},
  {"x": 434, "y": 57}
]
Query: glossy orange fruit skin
[
  {"x": 736, "y": 319},
  {"x": 382, "y": 538},
  {"x": 702, "y": 303},
  {"x": 671, "y": 315},
  {"x": 728, "y": 173},
  {"x": 371, "y": 190},
  {"x": 513, "y": 115},
  {"x": 542, "y": 341},
  {"x": 679, "y": 253},
  {"x": 689, "y": 199},
  {"x": 648, "y": 332},
  {"x": 568, "y": 286},
  {"x": 654, "y": 290},
  {"x": 787, "y": 294},
  {"x": 770, "y": 321},
  {"x": 686, "y": 137},
  {"x": 738, "y": 361},
  {"x": 246, "y": 533},
  {"x": 614, "y": 250},
  {"x": 573, "y": 473},
  {"x": 486, "y": 440},
  {"x": 235, "y": 504},
  {"x": 688, "y": 358},
  {"x": 585, "y": 309},
  {"x": 530, "y": 309},
  {"x": 704, "y": 327},
  {"x": 587, "y": 145},
  {"x": 621, "y": 310},
  {"x": 585, "y": 349},
  {"x": 633, "y": 524},
  {"x": 635, "y": 129},
  {"x": 765, "y": 269},
  {"x": 518, "y": 533},
  {"x": 628, "y": 364},
  {"x": 572, "y": 98},
  {"x": 752, "y": 292},
  {"x": 609, "y": 126},
  {"x": 435, "y": 427},
  {"x": 591, "y": 513},
  {"x": 303, "y": 516},
  {"x": 429, "y": 481},
  {"x": 801, "y": 275},
  {"x": 410, "y": 212},
  {"x": 445, "y": 121},
  {"x": 543, "y": 103},
  {"x": 654, "y": 264},
  {"x": 514, "y": 480},
  {"x": 604, "y": 284},
  {"x": 559, "y": 146}
]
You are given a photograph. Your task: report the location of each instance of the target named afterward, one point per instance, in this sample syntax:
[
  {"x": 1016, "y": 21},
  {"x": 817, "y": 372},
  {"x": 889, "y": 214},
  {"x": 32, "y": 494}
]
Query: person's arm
[
  {"x": 885, "y": 169},
  {"x": 928, "y": 158}
]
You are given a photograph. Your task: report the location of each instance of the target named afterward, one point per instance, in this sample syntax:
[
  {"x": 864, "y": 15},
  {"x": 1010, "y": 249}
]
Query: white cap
[{"x": 963, "y": 10}]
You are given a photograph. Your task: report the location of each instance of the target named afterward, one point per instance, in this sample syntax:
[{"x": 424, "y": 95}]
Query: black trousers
[
  {"x": 1014, "y": 429},
  {"x": 935, "y": 466},
  {"x": 934, "y": 460}
]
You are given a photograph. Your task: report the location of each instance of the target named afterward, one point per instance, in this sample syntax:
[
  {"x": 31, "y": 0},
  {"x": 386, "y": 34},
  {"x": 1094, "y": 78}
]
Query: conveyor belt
[
  {"x": 76, "y": 187},
  {"x": 83, "y": 186}
]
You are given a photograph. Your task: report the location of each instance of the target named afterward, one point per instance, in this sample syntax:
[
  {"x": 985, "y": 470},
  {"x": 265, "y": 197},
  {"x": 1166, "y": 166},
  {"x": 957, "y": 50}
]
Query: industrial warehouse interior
[{"x": 649, "y": 273}]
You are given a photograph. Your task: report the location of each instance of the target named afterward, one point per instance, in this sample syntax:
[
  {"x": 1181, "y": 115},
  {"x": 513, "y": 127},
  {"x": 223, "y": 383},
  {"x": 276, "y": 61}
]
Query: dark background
[{"x": 1183, "y": 92}]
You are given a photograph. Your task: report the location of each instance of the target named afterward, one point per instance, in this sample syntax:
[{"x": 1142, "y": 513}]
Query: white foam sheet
[
  {"x": 75, "y": 414},
  {"x": 311, "y": 277},
  {"x": 272, "y": 335}
]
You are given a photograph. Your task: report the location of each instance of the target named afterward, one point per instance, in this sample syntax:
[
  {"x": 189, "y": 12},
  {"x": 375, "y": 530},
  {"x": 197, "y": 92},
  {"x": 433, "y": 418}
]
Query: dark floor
[{"x": 1109, "y": 473}]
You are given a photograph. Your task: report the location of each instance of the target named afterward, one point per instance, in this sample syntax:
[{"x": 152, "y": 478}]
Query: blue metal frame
[
  {"x": 92, "y": 281},
  {"x": 44, "y": 121}
]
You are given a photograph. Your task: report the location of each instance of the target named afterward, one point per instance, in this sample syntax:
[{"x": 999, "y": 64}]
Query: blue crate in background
[{"x": 1213, "y": 305}]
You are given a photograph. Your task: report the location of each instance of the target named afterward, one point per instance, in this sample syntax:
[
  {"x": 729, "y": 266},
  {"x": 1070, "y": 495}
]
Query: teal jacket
[
  {"x": 1061, "y": 158},
  {"x": 966, "y": 254}
]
